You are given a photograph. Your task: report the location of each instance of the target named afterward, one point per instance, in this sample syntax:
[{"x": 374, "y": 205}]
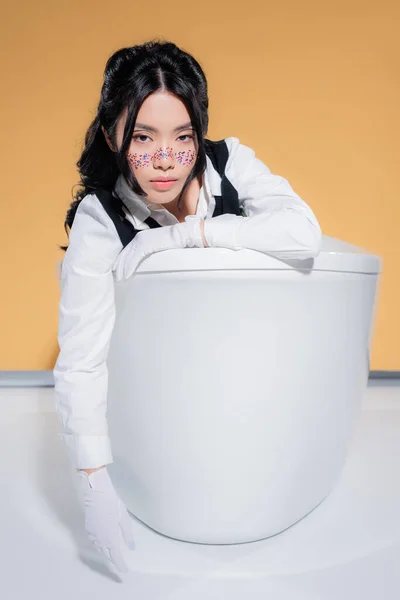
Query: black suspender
[
  {"x": 228, "y": 202},
  {"x": 114, "y": 208}
]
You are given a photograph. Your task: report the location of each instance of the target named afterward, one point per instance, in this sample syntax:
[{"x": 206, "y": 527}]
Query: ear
[{"x": 109, "y": 142}]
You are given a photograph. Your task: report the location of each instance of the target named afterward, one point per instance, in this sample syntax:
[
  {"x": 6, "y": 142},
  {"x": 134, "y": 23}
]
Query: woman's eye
[
  {"x": 186, "y": 136},
  {"x": 135, "y": 137}
]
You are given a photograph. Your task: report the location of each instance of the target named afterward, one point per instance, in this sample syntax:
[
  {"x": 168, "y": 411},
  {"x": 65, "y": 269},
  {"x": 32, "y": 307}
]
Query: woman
[{"x": 150, "y": 182}]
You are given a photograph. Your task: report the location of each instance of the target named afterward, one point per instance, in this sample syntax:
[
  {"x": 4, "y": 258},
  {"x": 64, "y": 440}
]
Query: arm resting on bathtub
[
  {"x": 277, "y": 221},
  {"x": 86, "y": 320}
]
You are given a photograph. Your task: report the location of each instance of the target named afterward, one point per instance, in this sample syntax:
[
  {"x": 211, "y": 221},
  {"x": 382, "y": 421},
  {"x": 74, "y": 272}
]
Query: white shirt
[{"x": 277, "y": 222}]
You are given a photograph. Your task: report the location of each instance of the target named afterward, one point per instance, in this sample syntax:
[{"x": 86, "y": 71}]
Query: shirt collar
[{"x": 136, "y": 205}]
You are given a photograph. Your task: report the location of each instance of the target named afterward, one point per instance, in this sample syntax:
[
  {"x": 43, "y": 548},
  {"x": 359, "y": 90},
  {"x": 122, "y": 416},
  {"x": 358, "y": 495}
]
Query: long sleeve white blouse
[{"x": 277, "y": 222}]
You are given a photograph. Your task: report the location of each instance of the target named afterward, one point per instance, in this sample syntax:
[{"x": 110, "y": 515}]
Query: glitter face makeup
[
  {"x": 184, "y": 157},
  {"x": 139, "y": 160}
]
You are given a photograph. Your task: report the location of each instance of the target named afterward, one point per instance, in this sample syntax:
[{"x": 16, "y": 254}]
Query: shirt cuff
[
  {"x": 88, "y": 451},
  {"x": 221, "y": 231}
]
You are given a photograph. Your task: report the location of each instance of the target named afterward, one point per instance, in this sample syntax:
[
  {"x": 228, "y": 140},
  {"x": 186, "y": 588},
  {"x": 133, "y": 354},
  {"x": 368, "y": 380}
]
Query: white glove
[
  {"x": 105, "y": 516},
  {"x": 149, "y": 241}
]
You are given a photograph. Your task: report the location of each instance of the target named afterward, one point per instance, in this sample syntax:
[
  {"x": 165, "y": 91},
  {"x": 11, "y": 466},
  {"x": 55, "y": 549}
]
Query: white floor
[{"x": 348, "y": 548}]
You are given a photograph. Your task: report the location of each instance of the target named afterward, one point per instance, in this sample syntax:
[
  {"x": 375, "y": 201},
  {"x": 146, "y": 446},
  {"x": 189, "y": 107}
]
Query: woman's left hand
[{"x": 149, "y": 241}]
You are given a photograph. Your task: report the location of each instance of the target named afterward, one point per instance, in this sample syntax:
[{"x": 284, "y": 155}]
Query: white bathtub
[{"x": 235, "y": 381}]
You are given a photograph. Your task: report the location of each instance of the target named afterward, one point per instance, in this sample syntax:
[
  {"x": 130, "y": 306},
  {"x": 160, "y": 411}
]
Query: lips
[
  {"x": 162, "y": 179},
  {"x": 163, "y": 184}
]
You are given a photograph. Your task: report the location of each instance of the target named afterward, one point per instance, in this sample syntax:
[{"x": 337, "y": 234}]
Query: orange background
[{"x": 313, "y": 89}]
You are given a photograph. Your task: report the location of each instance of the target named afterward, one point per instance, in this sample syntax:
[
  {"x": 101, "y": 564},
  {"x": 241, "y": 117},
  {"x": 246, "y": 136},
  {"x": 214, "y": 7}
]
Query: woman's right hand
[
  {"x": 105, "y": 516},
  {"x": 149, "y": 241}
]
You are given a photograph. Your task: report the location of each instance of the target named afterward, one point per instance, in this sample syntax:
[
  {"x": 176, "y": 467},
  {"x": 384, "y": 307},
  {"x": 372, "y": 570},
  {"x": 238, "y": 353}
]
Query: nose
[{"x": 164, "y": 158}]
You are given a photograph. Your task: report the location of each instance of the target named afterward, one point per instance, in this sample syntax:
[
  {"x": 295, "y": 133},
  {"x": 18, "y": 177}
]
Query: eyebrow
[{"x": 149, "y": 128}]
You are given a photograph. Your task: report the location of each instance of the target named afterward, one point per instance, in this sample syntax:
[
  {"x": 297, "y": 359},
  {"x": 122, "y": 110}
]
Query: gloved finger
[
  {"x": 126, "y": 266},
  {"x": 117, "y": 558},
  {"x": 126, "y": 526},
  {"x": 130, "y": 267},
  {"x": 133, "y": 265},
  {"x": 103, "y": 552},
  {"x": 111, "y": 557}
]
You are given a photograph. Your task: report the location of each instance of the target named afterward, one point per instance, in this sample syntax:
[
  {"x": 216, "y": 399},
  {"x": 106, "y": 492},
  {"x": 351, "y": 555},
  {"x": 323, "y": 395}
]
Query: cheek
[
  {"x": 186, "y": 157},
  {"x": 137, "y": 161}
]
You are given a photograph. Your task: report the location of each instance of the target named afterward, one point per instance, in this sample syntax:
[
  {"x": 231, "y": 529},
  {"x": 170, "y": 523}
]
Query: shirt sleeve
[
  {"x": 86, "y": 320},
  {"x": 276, "y": 220}
]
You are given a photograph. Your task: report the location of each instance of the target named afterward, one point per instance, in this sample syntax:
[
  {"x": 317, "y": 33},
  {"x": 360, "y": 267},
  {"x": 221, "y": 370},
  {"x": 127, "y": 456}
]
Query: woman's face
[{"x": 163, "y": 145}]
